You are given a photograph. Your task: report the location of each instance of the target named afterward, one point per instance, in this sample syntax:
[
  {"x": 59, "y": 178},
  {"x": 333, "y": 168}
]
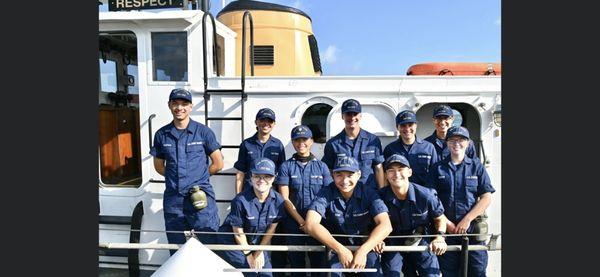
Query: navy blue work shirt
[
  {"x": 255, "y": 217},
  {"x": 251, "y": 150},
  {"x": 186, "y": 153},
  {"x": 304, "y": 181},
  {"x": 420, "y": 208},
  {"x": 421, "y": 156},
  {"x": 441, "y": 148},
  {"x": 459, "y": 186},
  {"x": 352, "y": 217},
  {"x": 366, "y": 149}
]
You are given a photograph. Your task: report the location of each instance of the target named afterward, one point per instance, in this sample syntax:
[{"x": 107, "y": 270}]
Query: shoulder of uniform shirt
[
  {"x": 423, "y": 191},
  {"x": 274, "y": 139},
  {"x": 166, "y": 128}
]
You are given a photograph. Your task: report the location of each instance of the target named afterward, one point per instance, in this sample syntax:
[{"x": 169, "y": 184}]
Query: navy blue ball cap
[
  {"x": 457, "y": 131},
  {"x": 265, "y": 113},
  {"x": 263, "y": 166},
  {"x": 301, "y": 131},
  {"x": 396, "y": 158},
  {"x": 351, "y": 106},
  {"x": 406, "y": 117},
  {"x": 346, "y": 163},
  {"x": 442, "y": 110},
  {"x": 180, "y": 93}
]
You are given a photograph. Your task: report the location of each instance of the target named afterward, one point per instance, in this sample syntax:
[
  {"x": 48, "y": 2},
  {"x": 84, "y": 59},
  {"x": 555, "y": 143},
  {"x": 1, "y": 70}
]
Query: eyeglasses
[
  {"x": 267, "y": 178},
  {"x": 442, "y": 118},
  {"x": 456, "y": 141}
]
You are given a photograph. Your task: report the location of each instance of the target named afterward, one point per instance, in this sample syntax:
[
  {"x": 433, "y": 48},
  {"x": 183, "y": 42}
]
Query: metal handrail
[
  {"x": 214, "y": 47},
  {"x": 293, "y": 248},
  {"x": 248, "y": 15},
  {"x": 292, "y": 234},
  {"x": 150, "y": 129}
]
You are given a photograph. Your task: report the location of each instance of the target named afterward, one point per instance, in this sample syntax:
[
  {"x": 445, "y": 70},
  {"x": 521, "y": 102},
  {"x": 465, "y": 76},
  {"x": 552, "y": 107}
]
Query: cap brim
[
  {"x": 301, "y": 136},
  {"x": 446, "y": 114},
  {"x": 263, "y": 117},
  {"x": 396, "y": 162},
  {"x": 254, "y": 171},
  {"x": 181, "y": 98},
  {"x": 349, "y": 169},
  {"x": 457, "y": 135},
  {"x": 407, "y": 121}
]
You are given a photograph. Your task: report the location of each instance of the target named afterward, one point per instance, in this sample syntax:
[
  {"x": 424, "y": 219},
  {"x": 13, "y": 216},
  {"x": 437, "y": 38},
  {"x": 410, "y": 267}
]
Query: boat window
[
  {"x": 108, "y": 75},
  {"x": 221, "y": 55},
  {"x": 118, "y": 110},
  {"x": 169, "y": 56},
  {"x": 315, "y": 118},
  {"x": 132, "y": 70}
]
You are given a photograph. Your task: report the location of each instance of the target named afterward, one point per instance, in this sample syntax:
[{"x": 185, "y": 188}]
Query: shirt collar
[
  {"x": 410, "y": 193},
  {"x": 255, "y": 138},
  {"x": 175, "y": 132}
]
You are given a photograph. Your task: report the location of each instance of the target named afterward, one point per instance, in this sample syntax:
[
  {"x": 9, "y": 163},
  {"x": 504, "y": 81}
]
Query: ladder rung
[
  {"x": 224, "y": 90},
  {"x": 224, "y": 118},
  {"x": 230, "y": 146},
  {"x": 225, "y": 173}
]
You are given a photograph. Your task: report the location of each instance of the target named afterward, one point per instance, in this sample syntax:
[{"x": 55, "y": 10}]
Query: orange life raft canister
[{"x": 455, "y": 69}]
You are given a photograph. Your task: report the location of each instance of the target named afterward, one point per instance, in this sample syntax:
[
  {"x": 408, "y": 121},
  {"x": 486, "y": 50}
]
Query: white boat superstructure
[{"x": 144, "y": 55}]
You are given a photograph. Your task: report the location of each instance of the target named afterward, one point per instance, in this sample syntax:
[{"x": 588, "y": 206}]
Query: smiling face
[
  {"x": 457, "y": 145},
  {"x": 351, "y": 119},
  {"x": 442, "y": 123},
  {"x": 180, "y": 109},
  {"x": 407, "y": 131},
  {"x": 397, "y": 174},
  {"x": 264, "y": 125},
  {"x": 346, "y": 181},
  {"x": 262, "y": 182},
  {"x": 302, "y": 145}
]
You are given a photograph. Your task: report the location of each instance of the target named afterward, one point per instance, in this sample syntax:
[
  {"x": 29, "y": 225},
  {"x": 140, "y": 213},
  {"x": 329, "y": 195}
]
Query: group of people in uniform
[{"x": 414, "y": 186}]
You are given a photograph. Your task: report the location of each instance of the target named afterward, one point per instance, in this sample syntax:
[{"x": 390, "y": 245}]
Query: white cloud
[
  {"x": 498, "y": 22},
  {"x": 330, "y": 54}
]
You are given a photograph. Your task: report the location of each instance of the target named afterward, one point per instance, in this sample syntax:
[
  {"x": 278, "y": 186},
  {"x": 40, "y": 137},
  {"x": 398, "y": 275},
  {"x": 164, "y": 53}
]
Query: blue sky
[{"x": 387, "y": 37}]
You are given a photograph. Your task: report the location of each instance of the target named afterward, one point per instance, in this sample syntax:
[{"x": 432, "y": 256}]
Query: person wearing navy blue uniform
[
  {"x": 357, "y": 143},
  {"x": 349, "y": 208},
  {"x": 181, "y": 150},
  {"x": 465, "y": 190},
  {"x": 255, "y": 210},
  {"x": 300, "y": 178},
  {"x": 420, "y": 153},
  {"x": 411, "y": 207},
  {"x": 261, "y": 145},
  {"x": 443, "y": 117}
]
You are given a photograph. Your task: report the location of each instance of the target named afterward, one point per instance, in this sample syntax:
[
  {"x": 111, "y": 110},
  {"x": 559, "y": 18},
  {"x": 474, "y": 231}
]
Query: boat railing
[{"x": 464, "y": 248}]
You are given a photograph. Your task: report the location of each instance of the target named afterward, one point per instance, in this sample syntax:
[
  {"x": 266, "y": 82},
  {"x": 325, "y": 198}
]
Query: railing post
[
  {"x": 464, "y": 251},
  {"x": 326, "y": 257}
]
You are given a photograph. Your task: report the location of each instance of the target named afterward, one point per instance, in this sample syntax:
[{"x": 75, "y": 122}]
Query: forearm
[
  {"x": 317, "y": 231},
  {"x": 379, "y": 176},
  {"x": 159, "y": 166},
  {"x": 216, "y": 162},
  {"x": 266, "y": 239},
  {"x": 291, "y": 210},
  {"x": 480, "y": 206},
  {"x": 440, "y": 223},
  {"x": 239, "y": 181},
  {"x": 378, "y": 234}
]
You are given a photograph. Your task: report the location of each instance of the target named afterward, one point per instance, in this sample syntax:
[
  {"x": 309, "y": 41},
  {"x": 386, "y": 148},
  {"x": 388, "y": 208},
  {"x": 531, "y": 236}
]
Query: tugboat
[{"x": 253, "y": 54}]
